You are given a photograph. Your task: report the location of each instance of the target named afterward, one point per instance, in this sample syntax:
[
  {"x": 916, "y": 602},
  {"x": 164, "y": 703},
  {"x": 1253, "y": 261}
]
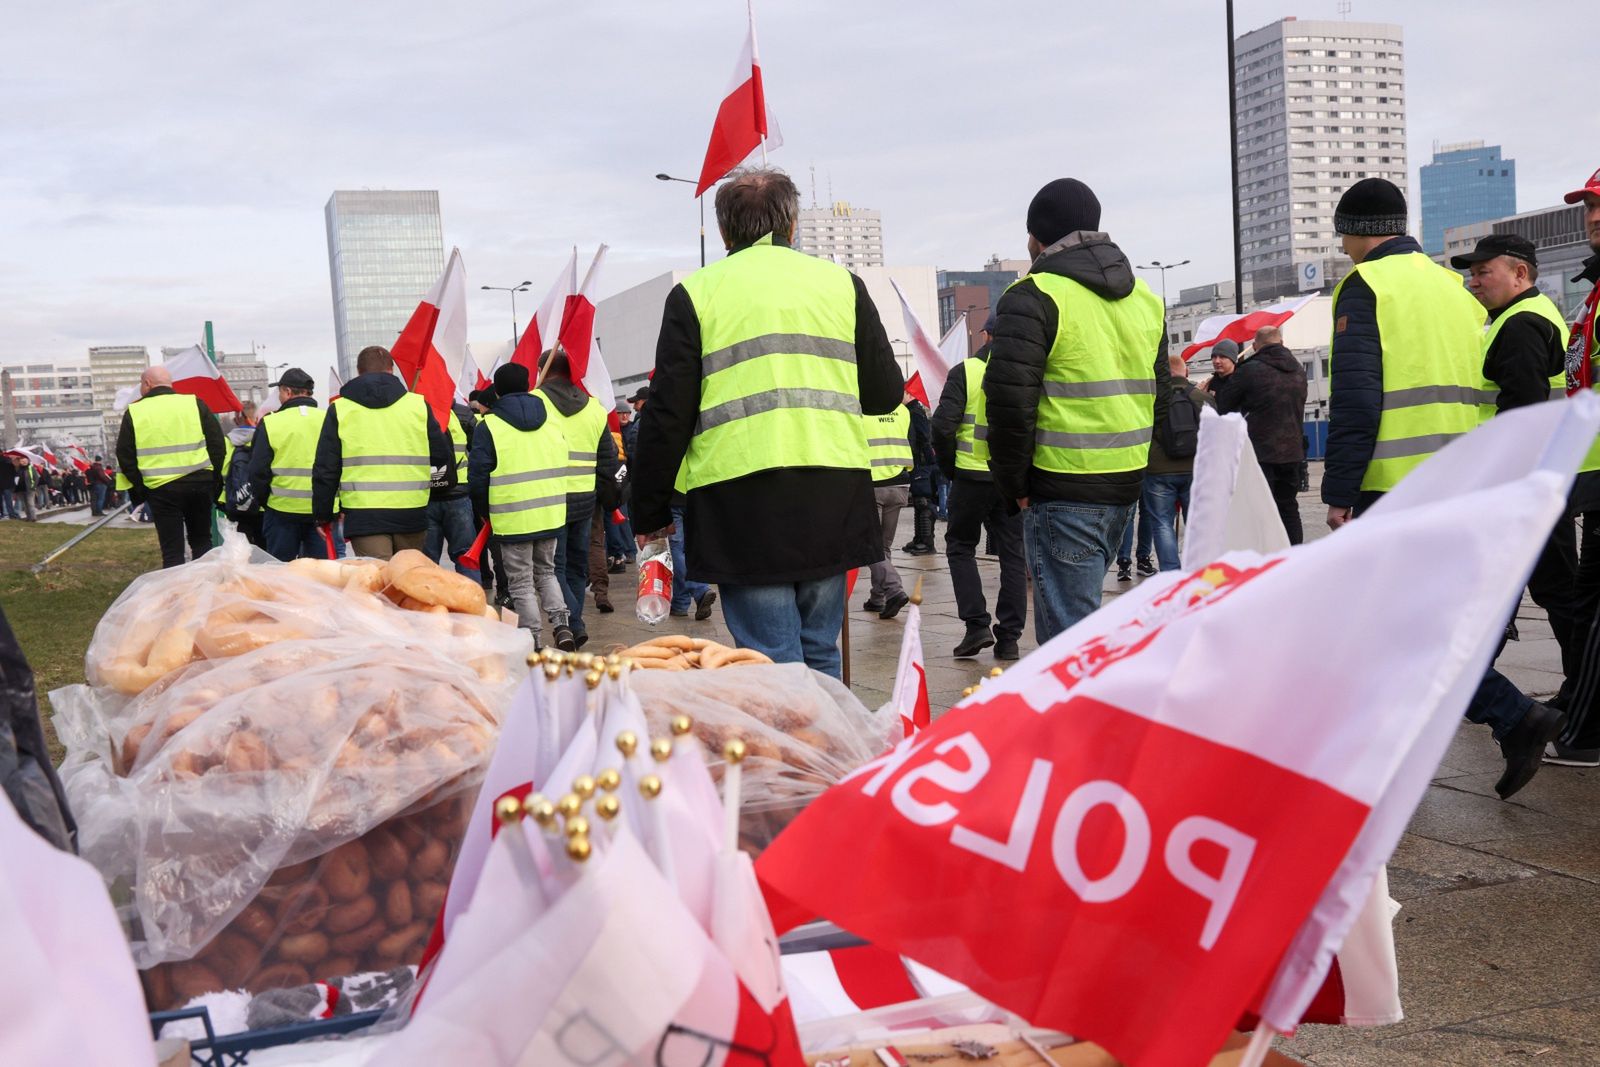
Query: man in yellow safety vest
[
  {"x": 169, "y": 457},
  {"x": 280, "y": 472},
  {"x": 889, "y": 450}
]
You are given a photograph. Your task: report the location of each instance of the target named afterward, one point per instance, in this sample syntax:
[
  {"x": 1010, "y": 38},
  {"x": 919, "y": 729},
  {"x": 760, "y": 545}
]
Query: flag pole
[
  {"x": 844, "y": 643},
  {"x": 1255, "y": 1053}
]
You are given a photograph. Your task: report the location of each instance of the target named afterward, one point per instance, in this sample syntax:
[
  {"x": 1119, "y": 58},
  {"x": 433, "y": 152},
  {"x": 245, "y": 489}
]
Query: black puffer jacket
[
  {"x": 1025, "y": 329},
  {"x": 924, "y": 463},
  {"x": 1269, "y": 390}
]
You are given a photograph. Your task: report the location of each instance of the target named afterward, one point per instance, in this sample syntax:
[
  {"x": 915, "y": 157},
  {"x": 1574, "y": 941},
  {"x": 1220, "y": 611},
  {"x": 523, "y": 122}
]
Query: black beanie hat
[
  {"x": 1372, "y": 207},
  {"x": 511, "y": 378},
  {"x": 1062, "y": 207}
]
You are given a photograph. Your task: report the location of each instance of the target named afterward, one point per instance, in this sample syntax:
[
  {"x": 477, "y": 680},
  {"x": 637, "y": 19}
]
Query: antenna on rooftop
[
  {"x": 1344, "y": 9},
  {"x": 813, "y": 184}
]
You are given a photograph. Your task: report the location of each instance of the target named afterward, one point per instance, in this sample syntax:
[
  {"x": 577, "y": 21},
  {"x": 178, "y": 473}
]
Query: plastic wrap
[{"x": 803, "y": 731}]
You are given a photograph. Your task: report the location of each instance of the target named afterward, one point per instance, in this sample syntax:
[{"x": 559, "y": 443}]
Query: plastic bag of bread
[{"x": 803, "y": 731}]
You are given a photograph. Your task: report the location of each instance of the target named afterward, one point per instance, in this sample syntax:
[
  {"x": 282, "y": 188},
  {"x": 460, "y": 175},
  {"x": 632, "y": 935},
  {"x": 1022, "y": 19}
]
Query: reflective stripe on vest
[
  {"x": 972, "y": 436},
  {"x": 581, "y": 431},
  {"x": 1432, "y": 361},
  {"x": 1097, "y": 407},
  {"x": 527, "y": 488},
  {"x": 384, "y": 454},
  {"x": 168, "y": 438},
  {"x": 292, "y": 433},
  {"x": 227, "y": 458},
  {"x": 778, "y": 383},
  {"x": 458, "y": 440},
  {"x": 1545, "y": 308},
  {"x": 889, "y": 443}
]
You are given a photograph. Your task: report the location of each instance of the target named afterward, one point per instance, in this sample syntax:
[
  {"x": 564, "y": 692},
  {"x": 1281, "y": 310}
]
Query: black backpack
[{"x": 1179, "y": 435}]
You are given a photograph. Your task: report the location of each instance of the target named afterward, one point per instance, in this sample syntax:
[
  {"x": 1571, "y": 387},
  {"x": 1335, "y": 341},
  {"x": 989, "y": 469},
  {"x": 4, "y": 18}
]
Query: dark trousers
[
  {"x": 1284, "y": 481},
  {"x": 1583, "y": 728},
  {"x": 572, "y": 560},
  {"x": 180, "y": 511},
  {"x": 290, "y": 538},
  {"x": 972, "y": 504}
]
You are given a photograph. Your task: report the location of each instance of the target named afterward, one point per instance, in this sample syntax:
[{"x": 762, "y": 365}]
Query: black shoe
[
  {"x": 909, "y": 547},
  {"x": 1124, "y": 570},
  {"x": 978, "y": 638},
  {"x": 581, "y": 639},
  {"x": 871, "y": 605},
  {"x": 1147, "y": 566},
  {"x": 1567, "y": 756},
  {"x": 617, "y": 567},
  {"x": 503, "y": 600},
  {"x": 603, "y": 606},
  {"x": 562, "y": 636},
  {"x": 921, "y": 550},
  {"x": 1524, "y": 746},
  {"x": 892, "y": 606},
  {"x": 1006, "y": 648},
  {"x": 676, "y": 614},
  {"x": 703, "y": 606}
]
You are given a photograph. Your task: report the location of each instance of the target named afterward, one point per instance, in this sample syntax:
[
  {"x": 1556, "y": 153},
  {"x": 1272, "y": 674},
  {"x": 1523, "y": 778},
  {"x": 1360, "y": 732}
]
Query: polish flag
[
  {"x": 335, "y": 383},
  {"x": 435, "y": 339},
  {"x": 577, "y": 322},
  {"x": 597, "y": 383},
  {"x": 1089, "y": 799},
  {"x": 744, "y": 123},
  {"x": 932, "y": 361},
  {"x": 81, "y": 465},
  {"x": 194, "y": 373},
  {"x": 910, "y": 698},
  {"x": 541, "y": 332},
  {"x": 469, "y": 377},
  {"x": 1242, "y": 328}
]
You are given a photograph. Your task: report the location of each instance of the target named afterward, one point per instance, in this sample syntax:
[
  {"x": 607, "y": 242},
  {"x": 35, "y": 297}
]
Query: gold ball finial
[
  {"x": 681, "y": 724},
  {"x": 577, "y": 826},
  {"x": 614, "y": 671},
  {"x": 534, "y": 659},
  {"x": 969, "y": 690},
  {"x": 661, "y": 749},
  {"x": 734, "y": 751},
  {"x": 508, "y": 810},
  {"x": 584, "y": 660},
  {"x": 552, "y": 669},
  {"x": 540, "y": 810},
  {"x": 583, "y": 785},
  {"x": 578, "y": 847},
  {"x": 609, "y": 779},
  {"x": 593, "y": 679},
  {"x": 650, "y": 787},
  {"x": 627, "y": 743},
  {"x": 995, "y": 672},
  {"x": 608, "y": 807},
  {"x": 569, "y": 805}
]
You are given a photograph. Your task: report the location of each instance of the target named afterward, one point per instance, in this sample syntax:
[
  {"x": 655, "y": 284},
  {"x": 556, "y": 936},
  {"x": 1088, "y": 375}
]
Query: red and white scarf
[{"x": 1580, "y": 342}]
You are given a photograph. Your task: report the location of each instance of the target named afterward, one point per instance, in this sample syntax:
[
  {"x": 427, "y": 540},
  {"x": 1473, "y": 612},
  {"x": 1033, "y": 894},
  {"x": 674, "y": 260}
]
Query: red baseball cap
[{"x": 1590, "y": 188}]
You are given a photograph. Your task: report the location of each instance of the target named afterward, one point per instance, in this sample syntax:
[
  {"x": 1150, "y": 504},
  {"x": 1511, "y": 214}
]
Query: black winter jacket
[
  {"x": 947, "y": 420},
  {"x": 374, "y": 391},
  {"x": 1025, "y": 329},
  {"x": 128, "y": 451},
  {"x": 523, "y": 411},
  {"x": 1527, "y": 352},
  {"x": 1269, "y": 390},
  {"x": 261, "y": 464},
  {"x": 569, "y": 400},
  {"x": 924, "y": 463}
]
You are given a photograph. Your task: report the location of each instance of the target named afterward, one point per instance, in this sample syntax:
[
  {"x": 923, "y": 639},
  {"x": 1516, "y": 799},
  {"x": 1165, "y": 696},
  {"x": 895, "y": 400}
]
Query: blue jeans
[
  {"x": 572, "y": 567},
  {"x": 8, "y": 502},
  {"x": 619, "y": 537},
  {"x": 1070, "y": 547},
  {"x": 1125, "y": 549},
  {"x": 797, "y": 622},
  {"x": 685, "y": 590},
  {"x": 1498, "y": 703},
  {"x": 289, "y": 539},
  {"x": 1159, "y": 501},
  {"x": 450, "y": 520},
  {"x": 99, "y": 491}
]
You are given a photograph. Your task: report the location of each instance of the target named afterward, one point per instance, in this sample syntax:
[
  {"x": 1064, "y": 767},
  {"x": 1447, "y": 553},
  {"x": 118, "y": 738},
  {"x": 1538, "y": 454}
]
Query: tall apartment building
[
  {"x": 1465, "y": 183},
  {"x": 54, "y": 403},
  {"x": 850, "y": 236},
  {"x": 1321, "y": 105},
  {"x": 385, "y": 249},
  {"x": 114, "y": 367}
]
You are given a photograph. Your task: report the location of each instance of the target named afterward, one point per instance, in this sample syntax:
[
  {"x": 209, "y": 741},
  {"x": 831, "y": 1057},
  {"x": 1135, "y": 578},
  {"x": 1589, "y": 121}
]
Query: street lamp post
[
  {"x": 670, "y": 178},
  {"x": 1156, "y": 264},
  {"x": 513, "y": 290}
]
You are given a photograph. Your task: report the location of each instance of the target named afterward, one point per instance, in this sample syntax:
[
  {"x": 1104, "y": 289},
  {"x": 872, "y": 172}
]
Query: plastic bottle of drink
[{"x": 655, "y": 582}]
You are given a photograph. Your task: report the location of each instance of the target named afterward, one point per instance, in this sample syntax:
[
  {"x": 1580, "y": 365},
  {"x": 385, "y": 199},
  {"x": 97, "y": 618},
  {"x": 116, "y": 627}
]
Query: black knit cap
[
  {"x": 510, "y": 378},
  {"x": 1062, "y": 207},
  {"x": 1372, "y": 207}
]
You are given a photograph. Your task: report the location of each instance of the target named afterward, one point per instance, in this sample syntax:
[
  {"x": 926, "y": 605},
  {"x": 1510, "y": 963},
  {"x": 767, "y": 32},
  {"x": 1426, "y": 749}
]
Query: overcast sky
[{"x": 165, "y": 163}]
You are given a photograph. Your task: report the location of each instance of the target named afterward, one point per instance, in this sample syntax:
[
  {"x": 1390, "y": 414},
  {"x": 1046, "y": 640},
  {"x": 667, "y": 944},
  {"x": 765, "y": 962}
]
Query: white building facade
[
  {"x": 115, "y": 367},
  {"x": 385, "y": 249},
  {"x": 849, "y": 236}
]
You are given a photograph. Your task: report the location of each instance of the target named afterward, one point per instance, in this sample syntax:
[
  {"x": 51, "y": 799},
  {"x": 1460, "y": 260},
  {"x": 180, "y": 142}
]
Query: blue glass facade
[{"x": 1462, "y": 186}]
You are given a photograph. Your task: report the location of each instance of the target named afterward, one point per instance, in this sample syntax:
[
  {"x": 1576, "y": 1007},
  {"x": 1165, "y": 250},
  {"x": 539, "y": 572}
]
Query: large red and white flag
[
  {"x": 1108, "y": 792},
  {"x": 744, "y": 123},
  {"x": 433, "y": 341},
  {"x": 577, "y": 322},
  {"x": 195, "y": 374},
  {"x": 546, "y": 325},
  {"x": 932, "y": 361},
  {"x": 1242, "y": 328}
]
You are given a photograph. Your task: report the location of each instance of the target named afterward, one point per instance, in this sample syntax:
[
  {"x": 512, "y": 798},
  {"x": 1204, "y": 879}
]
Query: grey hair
[{"x": 756, "y": 201}]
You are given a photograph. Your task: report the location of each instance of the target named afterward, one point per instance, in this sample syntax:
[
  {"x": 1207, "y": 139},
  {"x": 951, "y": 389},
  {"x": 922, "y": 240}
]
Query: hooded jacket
[
  {"x": 128, "y": 452},
  {"x": 569, "y": 400},
  {"x": 1269, "y": 390},
  {"x": 523, "y": 411},
  {"x": 261, "y": 463},
  {"x": 375, "y": 391},
  {"x": 1026, "y": 322}
]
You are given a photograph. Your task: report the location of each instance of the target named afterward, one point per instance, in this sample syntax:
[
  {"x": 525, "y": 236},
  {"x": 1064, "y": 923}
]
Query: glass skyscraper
[
  {"x": 1465, "y": 183},
  {"x": 385, "y": 249}
]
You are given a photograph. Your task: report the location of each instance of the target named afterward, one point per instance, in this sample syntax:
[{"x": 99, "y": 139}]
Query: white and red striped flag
[
  {"x": 335, "y": 383},
  {"x": 744, "y": 122},
  {"x": 434, "y": 339},
  {"x": 1242, "y": 328},
  {"x": 195, "y": 374},
  {"x": 932, "y": 361},
  {"x": 910, "y": 697},
  {"x": 577, "y": 323},
  {"x": 546, "y": 325},
  {"x": 1108, "y": 792}
]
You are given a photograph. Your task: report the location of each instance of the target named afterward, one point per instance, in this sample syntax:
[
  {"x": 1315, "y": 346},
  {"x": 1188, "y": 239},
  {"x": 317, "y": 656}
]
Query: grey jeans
[
  {"x": 885, "y": 579},
  {"x": 531, "y": 573}
]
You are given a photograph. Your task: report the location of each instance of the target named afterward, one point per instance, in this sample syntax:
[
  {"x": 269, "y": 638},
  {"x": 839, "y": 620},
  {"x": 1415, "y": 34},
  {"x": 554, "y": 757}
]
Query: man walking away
[
  {"x": 889, "y": 450},
  {"x": 1269, "y": 390},
  {"x": 379, "y": 453},
  {"x": 169, "y": 455},
  {"x": 449, "y": 510},
  {"x": 235, "y": 499},
  {"x": 1171, "y": 471},
  {"x": 99, "y": 485},
  {"x": 924, "y": 482},
  {"x": 281, "y": 457},
  {"x": 1077, "y": 382},
  {"x": 765, "y": 364},
  {"x": 517, "y": 479}
]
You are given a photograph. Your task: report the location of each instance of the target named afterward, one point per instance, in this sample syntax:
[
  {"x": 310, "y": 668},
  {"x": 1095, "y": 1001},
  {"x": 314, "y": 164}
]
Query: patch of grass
[{"x": 54, "y": 613}]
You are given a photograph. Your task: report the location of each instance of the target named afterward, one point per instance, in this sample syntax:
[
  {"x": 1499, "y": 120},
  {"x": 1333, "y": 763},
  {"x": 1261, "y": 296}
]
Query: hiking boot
[
  {"x": 603, "y": 605},
  {"x": 562, "y": 638},
  {"x": 1147, "y": 566},
  {"x": 703, "y": 606},
  {"x": 1567, "y": 756},
  {"x": 872, "y": 605},
  {"x": 978, "y": 638},
  {"x": 892, "y": 606},
  {"x": 1523, "y": 746},
  {"x": 921, "y": 550},
  {"x": 1124, "y": 570},
  {"x": 617, "y": 567},
  {"x": 1006, "y": 648}
]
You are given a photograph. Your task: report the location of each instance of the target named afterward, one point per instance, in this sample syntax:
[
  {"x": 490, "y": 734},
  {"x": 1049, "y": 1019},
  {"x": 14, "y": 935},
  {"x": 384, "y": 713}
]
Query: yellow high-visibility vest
[
  {"x": 293, "y": 434},
  {"x": 168, "y": 437},
  {"x": 384, "y": 455}
]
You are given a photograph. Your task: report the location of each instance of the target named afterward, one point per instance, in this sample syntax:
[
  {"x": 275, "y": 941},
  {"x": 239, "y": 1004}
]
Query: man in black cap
[
  {"x": 1077, "y": 381},
  {"x": 281, "y": 455}
]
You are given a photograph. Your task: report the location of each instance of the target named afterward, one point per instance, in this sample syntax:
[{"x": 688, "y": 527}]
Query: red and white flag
[
  {"x": 195, "y": 374},
  {"x": 434, "y": 339},
  {"x": 597, "y": 383},
  {"x": 910, "y": 697},
  {"x": 932, "y": 361},
  {"x": 577, "y": 322},
  {"x": 1107, "y": 792},
  {"x": 744, "y": 123},
  {"x": 1242, "y": 328},
  {"x": 546, "y": 325},
  {"x": 335, "y": 383}
]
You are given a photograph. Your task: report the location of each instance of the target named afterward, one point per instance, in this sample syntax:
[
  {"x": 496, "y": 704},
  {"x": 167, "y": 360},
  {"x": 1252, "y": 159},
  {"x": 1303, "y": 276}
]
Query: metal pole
[
  {"x": 702, "y": 200},
  {"x": 81, "y": 534},
  {"x": 1233, "y": 140},
  {"x": 513, "y": 316},
  {"x": 844, "y": 644}
]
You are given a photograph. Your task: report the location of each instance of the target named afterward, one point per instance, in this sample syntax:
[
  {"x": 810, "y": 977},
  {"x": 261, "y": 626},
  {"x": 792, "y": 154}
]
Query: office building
[
  {"x": 975, "y": 292},
  {"x": 54, "y": 403},
  {"x": 112, "y": 368},
  {"x": 1320, "y": 105},
  {"x": 385, "y": 249},
  {"x": 850, "y": 236},
  {"x": 1465, "y": 183}
]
